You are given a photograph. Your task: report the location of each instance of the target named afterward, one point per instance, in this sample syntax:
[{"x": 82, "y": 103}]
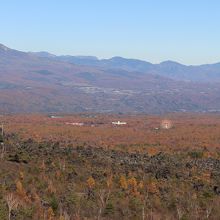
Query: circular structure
[{"x": 166, "y": 124}]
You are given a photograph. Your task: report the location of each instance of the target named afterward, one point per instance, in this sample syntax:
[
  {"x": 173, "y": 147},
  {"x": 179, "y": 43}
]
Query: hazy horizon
[
  {"x": 103, "y": 58},
  {"x": 154, "y": 31}
]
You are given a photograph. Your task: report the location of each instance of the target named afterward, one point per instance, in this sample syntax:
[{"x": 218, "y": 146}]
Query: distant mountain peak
[
  {"x": 87, "y": 57},
  {"x": 117, "y": 58},
  {"x": 127, "y": 60},
  {"x": 3, "y": 47},
  {"x": 43, "y": 54},
  {"x": 170, "y": 62}
]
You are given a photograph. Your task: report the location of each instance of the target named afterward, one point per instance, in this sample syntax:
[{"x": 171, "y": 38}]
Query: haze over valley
[{"x": 43, "y": 82}]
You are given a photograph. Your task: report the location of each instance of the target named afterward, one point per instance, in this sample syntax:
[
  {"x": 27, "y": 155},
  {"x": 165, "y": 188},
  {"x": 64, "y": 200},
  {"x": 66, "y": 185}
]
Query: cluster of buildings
[
  {"x": 75, "y": 123},
  {"x": 165, "y": 124},
  {"x": 82, "y": 124}
]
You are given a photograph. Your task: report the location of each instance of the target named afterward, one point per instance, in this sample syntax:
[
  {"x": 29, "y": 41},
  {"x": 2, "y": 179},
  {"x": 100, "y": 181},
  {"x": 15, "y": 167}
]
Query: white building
[
  {"x": 75, "y": 123},
  {"x": 55, "y": 116},
  {"x": 119, "y": 123}
]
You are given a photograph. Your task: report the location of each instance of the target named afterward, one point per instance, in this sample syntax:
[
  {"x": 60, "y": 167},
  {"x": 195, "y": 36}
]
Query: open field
[
  {"x": 54, "y": 168},
  {"x": 188, "y": 131}
]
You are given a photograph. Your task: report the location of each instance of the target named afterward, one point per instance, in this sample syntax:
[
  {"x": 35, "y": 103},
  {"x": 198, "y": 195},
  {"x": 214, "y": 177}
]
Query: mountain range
[{"x": 44, "y": 82}]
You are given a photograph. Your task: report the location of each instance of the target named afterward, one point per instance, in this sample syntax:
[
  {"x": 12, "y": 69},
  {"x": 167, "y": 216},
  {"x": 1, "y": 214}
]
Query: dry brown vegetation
[
  {"x": 189, "y": 131},
  {"x": 51, "y": 170}
]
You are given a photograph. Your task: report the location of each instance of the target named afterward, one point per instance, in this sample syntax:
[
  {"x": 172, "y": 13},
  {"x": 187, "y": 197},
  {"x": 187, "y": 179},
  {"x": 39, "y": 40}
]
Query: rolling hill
[
  {"x": 43, "y": 82},
  {"x": 171, "y": 69}
]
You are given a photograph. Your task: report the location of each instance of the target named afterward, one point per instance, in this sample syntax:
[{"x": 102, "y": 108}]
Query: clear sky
[{"x": 187, "y": 31}]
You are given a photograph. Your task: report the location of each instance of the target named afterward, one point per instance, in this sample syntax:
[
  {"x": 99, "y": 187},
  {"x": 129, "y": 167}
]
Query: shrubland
[{"x": 50, "y": 170}]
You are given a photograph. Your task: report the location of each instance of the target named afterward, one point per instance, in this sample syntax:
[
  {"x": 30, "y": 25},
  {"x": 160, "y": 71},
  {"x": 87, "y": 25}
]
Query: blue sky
[{"x": 187, "y": 31}]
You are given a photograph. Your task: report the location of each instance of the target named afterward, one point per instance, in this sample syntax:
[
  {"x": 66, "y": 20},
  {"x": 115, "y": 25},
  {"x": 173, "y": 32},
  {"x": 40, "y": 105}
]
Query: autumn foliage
[{"x": 54, "y": 171}]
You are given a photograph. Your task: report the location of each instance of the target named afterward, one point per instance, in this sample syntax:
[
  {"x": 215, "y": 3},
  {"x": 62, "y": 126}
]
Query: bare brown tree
[
  {"x": 12, "y": 203},
  {"x": 2, "y": 141}
]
